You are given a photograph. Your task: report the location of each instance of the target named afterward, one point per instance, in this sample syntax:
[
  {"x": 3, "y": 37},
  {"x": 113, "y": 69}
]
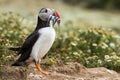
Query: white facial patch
[{"x": 45, "y": 13}]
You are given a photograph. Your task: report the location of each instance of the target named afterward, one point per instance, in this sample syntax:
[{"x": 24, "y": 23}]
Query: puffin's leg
[{"x": 41, "y": 70}]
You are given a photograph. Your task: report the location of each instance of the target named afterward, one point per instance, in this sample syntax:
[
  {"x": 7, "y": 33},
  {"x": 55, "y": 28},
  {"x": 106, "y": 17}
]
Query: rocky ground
[{"x": 70, "y": 71}]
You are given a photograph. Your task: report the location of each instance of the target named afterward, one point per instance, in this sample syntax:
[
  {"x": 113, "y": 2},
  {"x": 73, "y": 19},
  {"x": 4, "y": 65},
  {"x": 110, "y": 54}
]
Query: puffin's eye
[{"x": 46, "y": 11}]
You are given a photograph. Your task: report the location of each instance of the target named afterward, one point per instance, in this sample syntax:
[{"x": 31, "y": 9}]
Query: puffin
[{"x": 39, "y": 42}]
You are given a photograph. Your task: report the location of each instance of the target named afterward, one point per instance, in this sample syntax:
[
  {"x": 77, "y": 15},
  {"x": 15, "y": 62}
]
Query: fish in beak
[{"x": 55, "y": 17}]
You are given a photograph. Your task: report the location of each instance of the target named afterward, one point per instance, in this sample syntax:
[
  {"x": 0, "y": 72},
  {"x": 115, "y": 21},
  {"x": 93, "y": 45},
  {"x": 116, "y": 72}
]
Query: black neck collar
[{"x": 41, "y": 24}]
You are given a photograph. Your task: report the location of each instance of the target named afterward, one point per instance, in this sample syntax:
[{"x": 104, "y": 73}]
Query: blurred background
[
  {"x": 85, "y": 12},
  {"x": 89, "y": 31}
]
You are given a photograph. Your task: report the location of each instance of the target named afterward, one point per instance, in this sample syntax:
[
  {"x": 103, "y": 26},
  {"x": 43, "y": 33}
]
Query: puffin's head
[{"x": 47, "y": 14}]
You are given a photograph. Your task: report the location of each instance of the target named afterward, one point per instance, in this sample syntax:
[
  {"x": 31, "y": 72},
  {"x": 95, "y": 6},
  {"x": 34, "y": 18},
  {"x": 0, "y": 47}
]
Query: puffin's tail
[
  {"x": 14, "y": 48},
  {"x": 16, "y": 64}
]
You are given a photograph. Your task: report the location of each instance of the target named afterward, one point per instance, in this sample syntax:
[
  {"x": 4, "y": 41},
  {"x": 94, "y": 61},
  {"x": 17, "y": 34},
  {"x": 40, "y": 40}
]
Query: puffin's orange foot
[{"x": 40, "y": 70}]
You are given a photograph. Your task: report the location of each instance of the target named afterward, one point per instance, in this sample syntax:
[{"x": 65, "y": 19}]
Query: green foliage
[
  {"x": 13, "y": 31},
  {"x": 72, "y": 2},
  {"x": 93, "y": 47},
  {"x": 99, "y": 4}
]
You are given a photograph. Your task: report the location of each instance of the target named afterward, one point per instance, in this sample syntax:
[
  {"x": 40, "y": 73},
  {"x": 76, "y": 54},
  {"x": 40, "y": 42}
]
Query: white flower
[
  {"x": 117, "y": 36},
  {"x": 108, "y": 60},
  {"x": 76, "y": 53},
  {"x": 107, "y": 57},
  {"x": 112, "y": 44},
  {"x": 114, "y": 57},
  {"x": 99, "y": 61},
  {"x": 74, "y": 44},
  {"x": 0, "y": 28},
  {"x": 94, "y": 44},
  {"x": 87, "y": 62},
  {"x": 104, "y": 46}
]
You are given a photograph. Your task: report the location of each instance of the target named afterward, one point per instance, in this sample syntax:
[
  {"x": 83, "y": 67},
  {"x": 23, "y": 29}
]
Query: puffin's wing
[
  {"x": 27, "y": 47},
  {"x": 29, "y": 42}
]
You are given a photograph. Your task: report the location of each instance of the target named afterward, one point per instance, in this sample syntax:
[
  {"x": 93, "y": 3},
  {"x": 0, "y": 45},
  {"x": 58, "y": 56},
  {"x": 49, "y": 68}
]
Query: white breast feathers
[{"x": 43, "y": 43}]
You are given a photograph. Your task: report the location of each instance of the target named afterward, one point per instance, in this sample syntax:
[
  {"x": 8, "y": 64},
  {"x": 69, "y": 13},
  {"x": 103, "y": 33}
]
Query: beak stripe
[{"x": 56, "y": 13}]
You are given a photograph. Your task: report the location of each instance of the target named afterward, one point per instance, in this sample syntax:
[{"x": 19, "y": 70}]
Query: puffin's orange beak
[
  {"x": 56, "y": 13},
  {"x": 55, "y": 17}
]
